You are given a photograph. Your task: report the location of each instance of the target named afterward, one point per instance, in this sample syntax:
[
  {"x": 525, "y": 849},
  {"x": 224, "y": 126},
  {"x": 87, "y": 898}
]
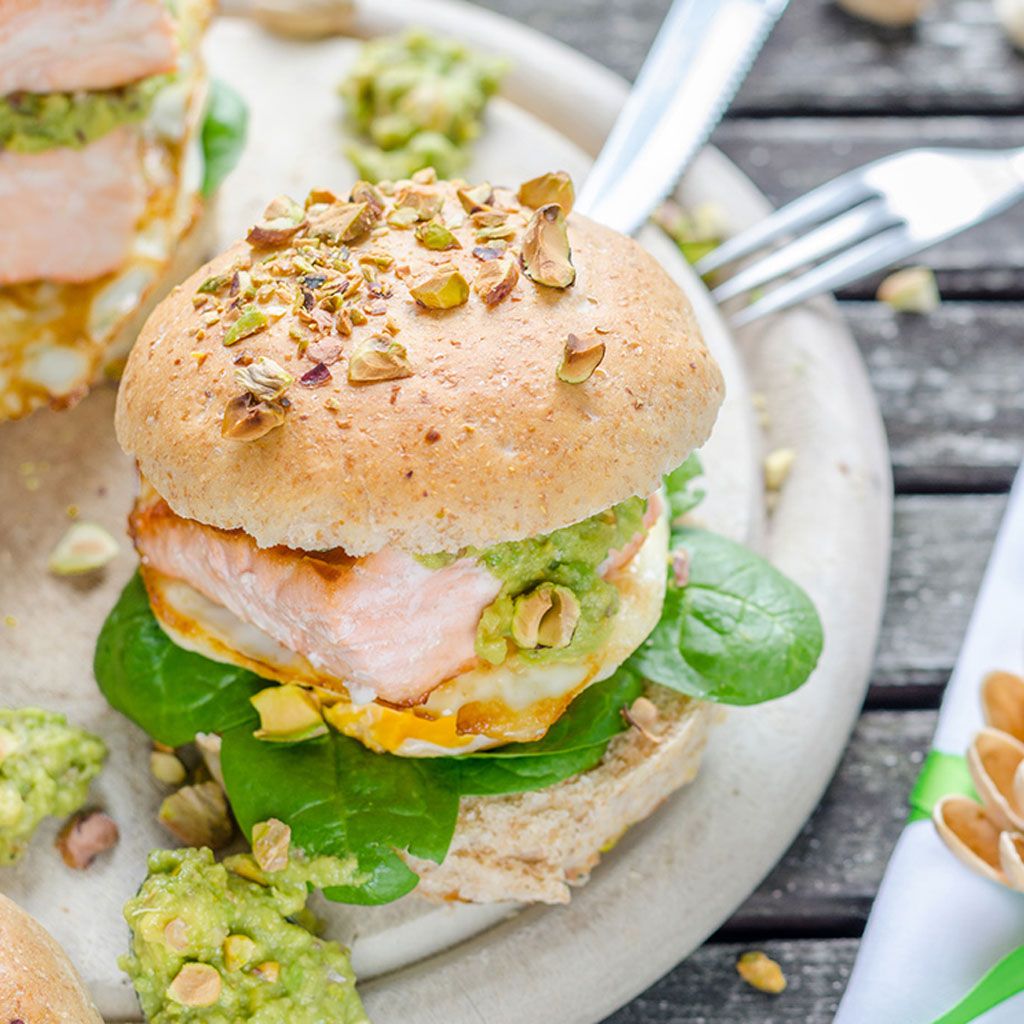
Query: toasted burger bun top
[
  {"x": 480, "y": 443},
  {"x": 37, "y": 981}
]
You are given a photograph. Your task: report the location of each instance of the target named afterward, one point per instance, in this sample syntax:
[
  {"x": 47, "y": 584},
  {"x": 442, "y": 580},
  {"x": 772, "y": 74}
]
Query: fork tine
[
  {"x": 831, "y": 198},
  {"x": 875, "y": 254},
  {"x": 860, "y": 223}
]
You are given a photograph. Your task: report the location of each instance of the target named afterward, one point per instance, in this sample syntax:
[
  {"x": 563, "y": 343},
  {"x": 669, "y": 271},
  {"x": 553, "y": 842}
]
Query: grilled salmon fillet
[
  {"x": 69, "y": 215},
  {"x": 386, "y": 625},
  {"x": 68, "y": 45}
]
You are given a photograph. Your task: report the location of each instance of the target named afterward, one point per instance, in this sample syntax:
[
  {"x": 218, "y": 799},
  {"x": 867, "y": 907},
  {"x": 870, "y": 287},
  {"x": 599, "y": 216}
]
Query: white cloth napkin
[{"x": 936, "y": 928}]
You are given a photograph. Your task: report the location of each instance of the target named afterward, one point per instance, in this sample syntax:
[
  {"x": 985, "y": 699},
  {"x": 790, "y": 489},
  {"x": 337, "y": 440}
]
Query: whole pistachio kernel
[
  {"x": 252, "y": 320},
  {"x": 580, "y": 359},
  {"x": 495, "y": 280},
  {"x": 246, "y": 418},
  {"x": 195, "y": 985},
  {"x": 264, "y": 379},
  {"x": 378, "y": 358},
  {"x": 444, "y": 288},
  {"x": 475, "y": 197},
  {"x": 554, "y": 187},
  {"x": 434, "y": 235},
  {"x": 546, "y": 257},
  {"x": 281, "y": 221}
]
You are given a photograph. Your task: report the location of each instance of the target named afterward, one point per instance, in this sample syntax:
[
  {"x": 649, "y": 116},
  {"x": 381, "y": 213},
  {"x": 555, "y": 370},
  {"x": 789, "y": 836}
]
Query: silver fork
[{"x": 866, "y": 220}]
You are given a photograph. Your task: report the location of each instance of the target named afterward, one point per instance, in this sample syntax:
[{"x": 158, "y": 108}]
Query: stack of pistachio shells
[{"x": 989, "y": 837}]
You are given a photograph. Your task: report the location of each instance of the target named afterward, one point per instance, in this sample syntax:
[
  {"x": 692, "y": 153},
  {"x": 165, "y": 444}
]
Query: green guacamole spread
[
  {"x": 243, "y": 939},
  {"x": 570, "y": 557},
  {"x": 419, "y": 101},
  {"x": 33, "y": 122},
  {"x": 46, "y": 766}
]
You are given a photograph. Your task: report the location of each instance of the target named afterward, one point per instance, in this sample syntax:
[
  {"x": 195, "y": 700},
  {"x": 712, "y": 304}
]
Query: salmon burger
[
  {"x": 102, "y": 182},
  {"x": 416, "y": 471}
]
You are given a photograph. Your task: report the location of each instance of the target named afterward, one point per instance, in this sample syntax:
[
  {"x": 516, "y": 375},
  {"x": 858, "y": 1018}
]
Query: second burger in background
[{"x": 111, "y": 144}]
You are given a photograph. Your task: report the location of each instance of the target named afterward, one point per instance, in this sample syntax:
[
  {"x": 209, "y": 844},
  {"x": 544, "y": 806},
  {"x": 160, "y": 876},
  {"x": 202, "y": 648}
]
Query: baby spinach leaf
[
  {"x": 225, "y": 125},
  {"x": 683, "y": 494},
  {"x": 171, "y": 693},
  {"x": 341, "y": 799},
  {"x": 739, "y": 632}
]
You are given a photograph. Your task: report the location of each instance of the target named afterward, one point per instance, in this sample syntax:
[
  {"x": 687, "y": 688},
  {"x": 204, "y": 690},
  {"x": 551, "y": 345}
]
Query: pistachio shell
[
  {"x": 445, "y": 288},
  {"x": 554, "y": 187},
  {"x": 545, "y": 617},
  {"x": 994, "y": 760},
  {"x": 971, "y": 837},
  {"x": 198, "y": 816},
  {"x": 580, "y": 358},
  {"x": 1011, "y": 859},
  {"x": 527, "y": 614},
  {"x": 546, "y": 255},
  {"x": 1002, "y": 701}
]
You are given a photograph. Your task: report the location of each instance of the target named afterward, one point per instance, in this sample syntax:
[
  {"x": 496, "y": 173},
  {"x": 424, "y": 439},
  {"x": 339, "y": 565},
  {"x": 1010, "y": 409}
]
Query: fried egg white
[{"x": 488, "y": 706}]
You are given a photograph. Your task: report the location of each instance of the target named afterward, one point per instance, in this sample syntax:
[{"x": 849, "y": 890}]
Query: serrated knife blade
[{"x": 696, "y": 65}]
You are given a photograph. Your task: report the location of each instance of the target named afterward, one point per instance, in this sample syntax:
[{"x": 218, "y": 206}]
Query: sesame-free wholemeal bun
[
  {"x": 416, "y": 367},
  {"x": 38, "y": 984}
]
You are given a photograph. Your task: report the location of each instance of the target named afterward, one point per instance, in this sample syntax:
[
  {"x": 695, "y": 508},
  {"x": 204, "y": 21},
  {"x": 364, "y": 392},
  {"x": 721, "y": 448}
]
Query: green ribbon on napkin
[
  {"x": 1006, "y": 979},
  {"x": 941, "y": 775}
]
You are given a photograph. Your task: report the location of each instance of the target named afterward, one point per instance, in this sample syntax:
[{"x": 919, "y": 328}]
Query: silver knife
[{"x": 696, "y": 65}]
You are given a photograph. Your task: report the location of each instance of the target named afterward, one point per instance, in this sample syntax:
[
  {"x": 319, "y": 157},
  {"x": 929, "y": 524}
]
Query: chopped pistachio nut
[
  {"x": 85, "y": 547},
  {"x": 214, "y": 284},
  {"x": 288, "y": 714},
  {"x": 444, "y": 288},
  {"x": 378, "y": 358},
  {"x": 271, "y": 842},
  {"x": 643, "y": 715},
  {"x": 85, "y": 837},
  {"x": 281, "y": 221},
  {"x": 761, "y": 972},
  {"x": 195, "y": 985},
  {"x": 913, "y": 290},
  {"x": 198, "y": 816},
  {"x": 403, "y": 217},
  {"x": 554, "y": 187},
  {"x": 364, "y": 192},
  {"x": 238, "y": 950},
  {"x": 176, "y": 934},
  {"x": 251, "y": 321},
  {"x": 342, "y": 222},
  {"x": 264, "y": 379},
  {"x": 546, "y": 255},
  {"x": 424, "y": 201},
  {"x": 434, "y": 235},
  {"x": 545, "y": 617},
  {"x": 495, "y": 280},
  {"x": 269, "y": 971},
  {"x": 248, "y": 419},
  {"x": 475, "y": 197},
  {"x": 167, "y": 768},
  {"x": 496, "y": 232},
  {"x": 580, "y": 359},
  {"x": 777, "y": 465}
]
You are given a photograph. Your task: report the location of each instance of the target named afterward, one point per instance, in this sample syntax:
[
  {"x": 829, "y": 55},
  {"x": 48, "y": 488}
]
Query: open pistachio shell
[
  {"x": 1002, "y": 701},
  {"x": 1011, "y": 857},
  {"x": 970, "y": 836},
  {"x": 994, "y": 760}
]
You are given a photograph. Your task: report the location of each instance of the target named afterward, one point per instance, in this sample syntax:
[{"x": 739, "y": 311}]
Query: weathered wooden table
[{"x": 827, "y": 94}]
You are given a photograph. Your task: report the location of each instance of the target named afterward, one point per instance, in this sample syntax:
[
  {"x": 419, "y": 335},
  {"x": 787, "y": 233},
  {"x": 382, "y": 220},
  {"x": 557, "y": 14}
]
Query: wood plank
[
  {"x": 826, "y": 882},
  {"x": 820, "y": 60},
  {"x": 705, "y": 989},
  {"x": 941, "y": 544},
  {"x": 788, "y": 157},
  {"x": 949, "y": 385}
]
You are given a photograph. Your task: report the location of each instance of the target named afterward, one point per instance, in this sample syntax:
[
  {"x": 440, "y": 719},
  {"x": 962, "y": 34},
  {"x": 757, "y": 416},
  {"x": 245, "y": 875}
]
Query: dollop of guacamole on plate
[
  {"x": 419, "y": 101},
  {"x": 46, "y": 766},
  {"x": 211, "y": 946},
  {"x": 33, "y": 122}
]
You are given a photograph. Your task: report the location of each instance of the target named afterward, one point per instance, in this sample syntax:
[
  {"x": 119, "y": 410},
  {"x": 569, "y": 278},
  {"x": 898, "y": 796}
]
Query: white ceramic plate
[{"x": 674, "y": 879}]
